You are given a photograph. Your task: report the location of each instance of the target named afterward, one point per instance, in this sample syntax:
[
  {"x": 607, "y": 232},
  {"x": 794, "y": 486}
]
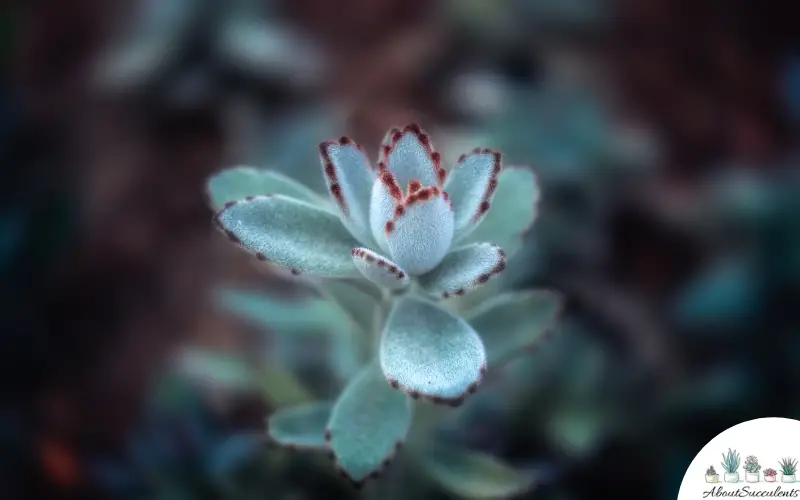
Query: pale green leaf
[
  {"x": 237, "y": 183},
  {"x": 430, "y": 352},
  {"x": 291, "y": 234},
  {"x": 368, "y": 424}
]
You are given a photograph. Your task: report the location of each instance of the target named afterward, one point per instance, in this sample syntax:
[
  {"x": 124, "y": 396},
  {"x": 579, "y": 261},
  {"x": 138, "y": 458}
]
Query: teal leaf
[
  {"x": 350, "y": 177},
  {"x": 512, "y": 323},
  {"x": 379, "y": 270},
  {"x": 218, "y": 370},
  {"x": 368, "y": 425},
  {"x": 290, "y": 234},
  {"x": 237, "y": 183},
  {"x": 470, "y": 474},
  {"x": 420, "y": 233},
  {"x": 300, "y": 426},
  {"x": 471, "y": 186},
  {"x": 409, "y": 155},
  {"x": 464, "y": 269},
  {"x": 513, "y": 210},
  {"x": 427, "y": 351}
]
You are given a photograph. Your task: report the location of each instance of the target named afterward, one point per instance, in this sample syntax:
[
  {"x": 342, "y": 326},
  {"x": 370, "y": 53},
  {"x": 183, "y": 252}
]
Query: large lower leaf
[
  {"x": 237, "y": 183},
  {"x": 291, "y": 234},
  {"x": 513, "y": 210},
  {"x": 300, "y": 426},
  {"x": 368, "y": 424},
  {"x": 471, "y": 474},
  {"x": 512, "y": 323},
  {"x": 430, "y": 352}
]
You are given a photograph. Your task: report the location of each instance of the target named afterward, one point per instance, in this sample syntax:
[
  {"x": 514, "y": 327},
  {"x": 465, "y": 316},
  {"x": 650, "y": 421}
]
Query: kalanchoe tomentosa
[{"x": 406, "y": 225}]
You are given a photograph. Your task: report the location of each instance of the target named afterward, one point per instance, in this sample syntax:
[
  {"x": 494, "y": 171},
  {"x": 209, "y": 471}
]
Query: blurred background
[{"x": 664, "y": 134}]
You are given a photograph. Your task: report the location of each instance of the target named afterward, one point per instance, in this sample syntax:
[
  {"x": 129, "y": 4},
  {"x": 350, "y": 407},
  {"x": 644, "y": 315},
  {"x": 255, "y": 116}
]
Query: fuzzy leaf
[
  {"x": 350, "y": 177},
  {"x": 291, "y": 234},
  {"x": 464, "y": 269},
  {"x": 470, "y": 474},
  {"x": 379, "y": 270},
  {"x": 409, "y": 156},
  {"x": 357, "y": 303},
  {"x": 220, "y": 370},
  {"x": 368, "y": 424},
  {"x": 238, "y": 183},
  {"x": 513, "y": 322},
  {"x": 471, "y": 186},
  {"x": 300, "y": 426},
  {"x": 386, "y": 195},
  {"x": 513, "y": 210},
  {"x": 428, "y": 351},
  {"x": 420, "y": 233}
]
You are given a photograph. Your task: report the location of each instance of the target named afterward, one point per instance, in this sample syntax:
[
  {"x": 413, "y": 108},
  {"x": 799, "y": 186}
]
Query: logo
[{"x": 755, "y": 459}]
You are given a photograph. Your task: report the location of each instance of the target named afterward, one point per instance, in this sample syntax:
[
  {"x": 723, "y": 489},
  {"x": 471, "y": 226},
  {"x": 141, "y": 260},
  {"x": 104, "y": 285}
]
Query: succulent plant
[
  {"x": 711, "y": 471},
  {"x": 770, "y": 472},
  {"x": 392, "y": 245},
  {"x": 730, "y": 461},
  {"x": 751, "y": 464},
  {"x": 788, "y": 466}
]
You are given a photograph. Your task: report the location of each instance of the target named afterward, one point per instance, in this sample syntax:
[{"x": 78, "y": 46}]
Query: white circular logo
[{"x": 755, "y": 459}]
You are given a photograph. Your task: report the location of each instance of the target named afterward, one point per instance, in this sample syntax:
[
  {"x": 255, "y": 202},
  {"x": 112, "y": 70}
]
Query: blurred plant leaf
[
  {"x": 238, "y": 183},
  {"x": 220, "y": 370},
  {"x": 292, "y": 319},
  {"x": 470, "y": 474},
  {"x": 233, "y": 453},
  {"x": 368, "y": 424},
  {"x": 513, "y": 210},
  {"x": 725, "y": 295},
  {"x": 514, "y": 322},
  {"x": 351, "y": 296}
]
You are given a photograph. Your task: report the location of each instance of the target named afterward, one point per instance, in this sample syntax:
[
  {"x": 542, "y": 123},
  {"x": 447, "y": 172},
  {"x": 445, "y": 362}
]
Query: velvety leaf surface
[
  {"x": 428, "y": 351},
  {"x": 464, "y": 269},
  {"x": 350, "y": 177},
  {"x": 471, "y": 186},
  {"x": 300, "y": 426},
  {"x": 513, "y": 322},
  {"x": 470, "y": 474},
  {"x": 379, "y": 270},
  {"x": 420, "y": 233},
  {"x": 238, "y": 183},
  {"x": 513, "y": 210},
  {"x": 409, "y": 155},
  {"x": 356, "y": 302},
  {"x": 290, "y": 234},
  {"x": 368, "y": 425}
]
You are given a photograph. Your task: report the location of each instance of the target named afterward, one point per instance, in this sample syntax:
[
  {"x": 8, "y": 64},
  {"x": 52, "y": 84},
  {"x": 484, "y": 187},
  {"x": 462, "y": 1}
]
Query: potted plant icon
[
  {"x": 730, "y": 464},
  {"x": 751, "y": 468},
  {"x": 770, "y": 475},
  {"x": 711, "y": 475},
  {"x": 788, "y": 468}
]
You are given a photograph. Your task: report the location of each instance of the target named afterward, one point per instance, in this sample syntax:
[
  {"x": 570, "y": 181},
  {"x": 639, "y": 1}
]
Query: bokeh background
[{"x": 664, "y": 133}]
